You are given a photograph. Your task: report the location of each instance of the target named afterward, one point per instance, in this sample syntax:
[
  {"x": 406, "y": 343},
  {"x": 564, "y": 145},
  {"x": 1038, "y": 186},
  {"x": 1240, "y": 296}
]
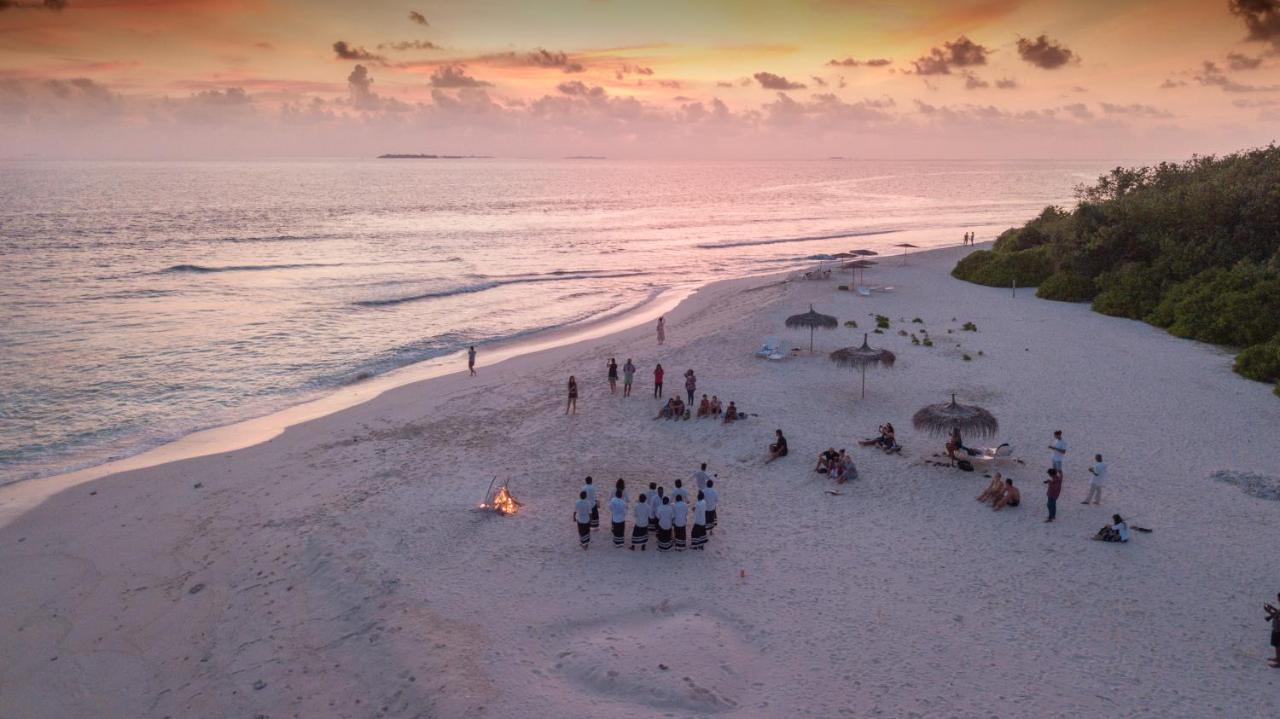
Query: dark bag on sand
[{"x": 964, "y": 465}]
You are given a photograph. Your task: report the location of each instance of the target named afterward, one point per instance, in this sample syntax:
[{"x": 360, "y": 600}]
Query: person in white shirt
[
  {"x": 711, "y": 499},
  {"x": 1058, "y": 450},
  {"x": 666, "y": 513},
  {"x": 590, "y": 489},
  {"x": 1098, "y": 478},
  {"x": 701, "y": 476},
  {"x": 654, "y": 501},
  {"x": 618, "y": 518},
  {"x": 582, "y": 515},
  {"x": 679, "y": 493},
  {"x": 679, "y": 519},
  {"x": 1117, "y": 532},
  {"x": 640, "y": 527},
  {"x": 698, "y": 537}
]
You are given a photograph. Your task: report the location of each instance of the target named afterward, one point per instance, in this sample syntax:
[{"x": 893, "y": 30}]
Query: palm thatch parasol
[
  {"x": 857, "y": 265},
  {"x": 942, "y": 418},
  {"x": 812, "y": 320},
  {"x": 865, "y": 253},
  {"x": 906, "y": 246},
  {"x": 862, "y": 356}
]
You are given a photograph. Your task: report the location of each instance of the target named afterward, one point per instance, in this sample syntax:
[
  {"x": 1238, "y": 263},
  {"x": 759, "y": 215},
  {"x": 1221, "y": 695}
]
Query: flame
[{"x": 503, "y": 503}]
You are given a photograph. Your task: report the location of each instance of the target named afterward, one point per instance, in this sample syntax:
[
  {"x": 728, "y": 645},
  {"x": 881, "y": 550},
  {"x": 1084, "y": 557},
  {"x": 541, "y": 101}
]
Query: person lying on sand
[
  {"x": 825, "y": 459},
  {"x": 731, "y": 414},
  {"x": 1117, "y": 531},
  {"x": 704, "y": 407},
  {"x": 1010, "y": 497},
  {"x": 778, "y": 448},
  {"x": 993, "y": 490}
]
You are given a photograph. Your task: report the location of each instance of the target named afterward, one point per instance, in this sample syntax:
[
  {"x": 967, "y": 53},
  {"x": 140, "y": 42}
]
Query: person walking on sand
[
  {"x": 711, "y": 499},
  {"x": 698, "y": 537},
  {"x": 690, "y": 385},
  {"x": 662, "y": 330},
  {"x": 657, "y": 381},
  {"x": 582, "y": 516},
  {"x": 471, "y": 360},
  {"x": 613, "y": 376},
  {"x": 590, "y": 490},
  {"x": 1273, "y": 616},
  {"x": 1054, "y": 491},
  {"x": 679, "y": 520},
  {"x": 778, "y": 448},
  {"x": 572, "y": 406},
  {"x": 628, "y": 375},
  {"x": 640, "y": 524},
  {"x": 618, "y": 518},
  {"x": 1058, "y": 450},
  {"x": 1098, "y": 476},
  {"x": 666, "y": 515}
]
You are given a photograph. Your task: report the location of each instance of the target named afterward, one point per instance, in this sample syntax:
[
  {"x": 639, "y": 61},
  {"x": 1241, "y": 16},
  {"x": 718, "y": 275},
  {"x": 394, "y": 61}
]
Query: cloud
[
  {"x": 1078, "y": 110},
  {"x": 827, "y": 112},
  {"x": 343, "y": 51},
  {"x": 54, "y": 5},
  {"x": 536, "y": 58},
  {"x": 961, "y": 53},
  {"x": 770, "y": 81},
  {"x": 1044, "y": 53},
  {"x": 1261, "y": 17},
  {"x": 409, "y": 45},
  {"x": 1170, "y": 83},
  {"x": 851, "y": 62},
  {"x": 1135, "y": 110},
  {"x": 1211, "y": 75},
  {"x": 447, "y": 76},
  {"x": 724, "y": 84},
  {"x": 578, "y": 88},
  {"x": 1251, "y": 102},
  {"x": 1007, "y": 83},
  {"x": 419, "y": 18},
  {"x": 1238, "y": 61},
  {"x": 818, "y": 81},
  {"x": 973, "y": 82}
]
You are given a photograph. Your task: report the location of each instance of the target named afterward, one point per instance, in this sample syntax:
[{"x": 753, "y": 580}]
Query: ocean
[{"x": 140, "y": 302}]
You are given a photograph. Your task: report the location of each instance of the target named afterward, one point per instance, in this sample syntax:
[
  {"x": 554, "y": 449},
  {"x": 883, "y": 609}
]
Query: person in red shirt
[
  {"x": 1055, "y": 490},
  {"x": 657, "y": 381}
]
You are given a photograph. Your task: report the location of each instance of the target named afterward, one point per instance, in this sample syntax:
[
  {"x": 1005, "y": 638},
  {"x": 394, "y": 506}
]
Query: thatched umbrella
[
  {"x": 865, "y": 253},
  {"x": 812, "y": 320},
  {"x": 857, "y": 265},
  {"x": 862, "y": 356},
  {"x": 942, "y": 418},
  {"x": 906, "y": 246}
]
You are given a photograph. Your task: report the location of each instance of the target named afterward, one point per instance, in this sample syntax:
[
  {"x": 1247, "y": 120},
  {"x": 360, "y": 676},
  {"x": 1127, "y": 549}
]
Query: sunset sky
[{"x": 702, "y": 79}]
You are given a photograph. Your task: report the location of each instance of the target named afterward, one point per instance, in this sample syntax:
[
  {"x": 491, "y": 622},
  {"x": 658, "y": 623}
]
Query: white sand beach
[{"x": 340, "y": 570}]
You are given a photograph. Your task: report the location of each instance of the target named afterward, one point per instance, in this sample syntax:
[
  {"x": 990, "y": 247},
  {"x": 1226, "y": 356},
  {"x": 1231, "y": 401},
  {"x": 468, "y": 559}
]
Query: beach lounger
[
  {"x": 864, "y": 291},
  {"x": 770, "y": 348},
  {"x": 994, "y": 456}
]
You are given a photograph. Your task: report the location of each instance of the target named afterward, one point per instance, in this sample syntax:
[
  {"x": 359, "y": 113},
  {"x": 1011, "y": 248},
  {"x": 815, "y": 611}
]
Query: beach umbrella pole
[{"x": 864, "y": 381}]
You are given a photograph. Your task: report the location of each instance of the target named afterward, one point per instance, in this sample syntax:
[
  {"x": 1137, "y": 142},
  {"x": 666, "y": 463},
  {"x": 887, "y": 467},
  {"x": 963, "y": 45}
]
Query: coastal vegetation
[{"x": 1191, "y": 247}]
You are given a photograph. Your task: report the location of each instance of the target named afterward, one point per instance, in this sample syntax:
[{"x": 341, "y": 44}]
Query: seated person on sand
[
  {"x": 704, "y": 407},
  {"x": 1117, "y": 531},
  {"x": 825, "y": 460},
  {"x": 668, "y": 410},
  {"x": 731, "y": 414},
  {"x": 716, "y": 409},
  {"x": 955, "y": 444},
  {"x": 1011, "y": 497},
  {"x": 677, "y": 408},
  {"x": 993, "y": 490},
  {"x": 848, "y": 470},
  {"x": 778, "y": 448}
]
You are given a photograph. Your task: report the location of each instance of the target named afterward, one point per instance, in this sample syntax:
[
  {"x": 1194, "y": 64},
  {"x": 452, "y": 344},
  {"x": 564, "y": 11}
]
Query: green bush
[
  {"x": 882, "y": 322},
  {"x": 969, "y": 327},
  {"x": 1260, "y": 362},
  {"x": 927, "y": 342},
  {"x": 918, "y": 321},
  {"x": 1131, "y": 290},
  {"x": 1240, "y": 306},
  {"x": 1027, "y": 268},
  {"x": 850, "y": 323},
  {"x": 1067, "y": 287}
]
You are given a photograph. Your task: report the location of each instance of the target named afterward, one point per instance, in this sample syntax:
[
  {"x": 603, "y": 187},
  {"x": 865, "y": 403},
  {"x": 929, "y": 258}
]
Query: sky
[{"x": 698, "y": 79}]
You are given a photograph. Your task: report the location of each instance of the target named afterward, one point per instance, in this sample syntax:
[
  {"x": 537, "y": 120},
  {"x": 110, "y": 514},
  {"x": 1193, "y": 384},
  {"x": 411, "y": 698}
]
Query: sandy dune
[{"x": 339, "y": 570}]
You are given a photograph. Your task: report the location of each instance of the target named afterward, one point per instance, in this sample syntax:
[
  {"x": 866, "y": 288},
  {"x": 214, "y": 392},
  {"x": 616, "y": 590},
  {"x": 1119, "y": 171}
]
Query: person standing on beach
[
  {"x": 698, "y": 537},
  {"x": 1099, "y": 475},
  {"x": 662, "y": 330},
  {"x": 679, "y": 493},
  {"x": 582, "y": 515},
  {"x": 690, "y": 385},
  {"x": 573, "y": 396},
  {"x": 710, "y": 500},
  {"x": 657, "y": 381},
  {"x": 1058, "y": 449},
  {"x": 1054, "y": 491},
  {"x": 628, "y": 374},
  {"x": 613, "y": 376},
  {"x": 666, "y": 515},
  {"x": 621, "y": 486},
  {"x": 589, "y": 489},
  {"x": 700, "y": 477},
  {"x": 1273, "y": 616},
  {"x": 640, "y": 524},
  {"x": 654, "y": 501},
  {"x": 618, "y": 518},
  {"x": 471, "y": 360},
  {"x": 679, "y": 519}
]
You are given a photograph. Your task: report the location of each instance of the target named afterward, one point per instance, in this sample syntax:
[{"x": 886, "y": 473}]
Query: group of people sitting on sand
[
  {"x": 836, "y": 465},
  {"x": 1001, "y": 493},
  {"x": 675, "y": 408},
  {"x": 887, "y": 440},
  {"x": 678, "y": 520}
]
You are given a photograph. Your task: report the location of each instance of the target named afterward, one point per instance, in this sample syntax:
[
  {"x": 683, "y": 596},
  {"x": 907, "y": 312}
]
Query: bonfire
[{"x": 499, "y": 499}]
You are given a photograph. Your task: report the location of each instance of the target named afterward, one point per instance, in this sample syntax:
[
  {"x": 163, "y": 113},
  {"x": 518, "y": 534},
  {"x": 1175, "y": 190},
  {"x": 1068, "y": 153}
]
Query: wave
[
  {"x": 785, "y": 240},
  {"x": 493, "y": 283},
  {"x": 203, "y": 269}
]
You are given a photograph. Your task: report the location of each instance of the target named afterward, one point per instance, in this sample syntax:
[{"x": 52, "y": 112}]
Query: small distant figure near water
[
  {"x": 662, "y": 330},
  {"x": 572, "y": 406},
  {"x": 657, "y": 381},
  {"x": 613, "y": 376},
  {"x": 471, "y": 360},
  {"x": 628, "y": 376},
  {"x": 778, "y": 448},
  {"x": 1273, "y": 616}
]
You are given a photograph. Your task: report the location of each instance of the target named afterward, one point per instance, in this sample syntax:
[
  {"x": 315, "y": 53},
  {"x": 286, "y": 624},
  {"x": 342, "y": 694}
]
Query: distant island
[
  {"x": 586, "y": 157},
  {"x": 435, "y": 157}
]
